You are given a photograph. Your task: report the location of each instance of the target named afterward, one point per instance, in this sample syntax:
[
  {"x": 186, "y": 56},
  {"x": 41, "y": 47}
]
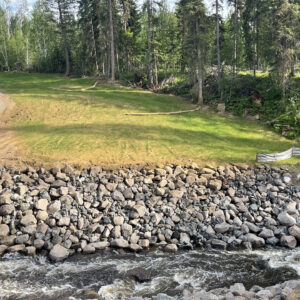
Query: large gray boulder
[
  {"x": 4, "y": 230},
  {"x": 256, "y": 241},
  {"x": 285, "y": 219},
  {"x": 28, "y": 220},
  {"x": 119, "y": 243},
  {"x": 295, "y": 232},
  {"x": 288, "y": 241},
  {"x": 58, "y": 253},
  {"x": 6, "y": 209},
  {"x": 222, "y": 228}
]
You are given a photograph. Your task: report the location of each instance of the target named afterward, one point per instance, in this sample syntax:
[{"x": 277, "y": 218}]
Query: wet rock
[
  {"x": 164, "y": 297},
  {"x": 88, "y": 249},
  {"x": 58, "y": 253},
  {"x": 184, "y": 238},
  {"x": 119, "y": 243},
  {"x": 256, "y": 241},
  {"x": 288, "y": 241},
  {"x": 3, "y": 249},
  {"x": 144, "y": 243},
  {"x": 218, "y": 244},
  {"x": 237, "y": 289},
  {"x": 16, "y": 248},
  {"x": 295, "y": 232},
  {"x": 31, "y": 251},
  {"x": 140, "y": 275},
  {"x": 135, "y": 247},
  {"x": 100, "y": 245},
  {"x": 171, "y": 248}
]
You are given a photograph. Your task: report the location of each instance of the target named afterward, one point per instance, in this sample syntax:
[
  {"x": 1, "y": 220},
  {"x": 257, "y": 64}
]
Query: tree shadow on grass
[
  {"x": 40, "y": 86},
  {"x": 173, "y": 137}
]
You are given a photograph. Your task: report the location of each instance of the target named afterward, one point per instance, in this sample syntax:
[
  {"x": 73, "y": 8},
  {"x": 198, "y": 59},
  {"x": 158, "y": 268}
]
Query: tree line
[{"x": 151, "y": 41}]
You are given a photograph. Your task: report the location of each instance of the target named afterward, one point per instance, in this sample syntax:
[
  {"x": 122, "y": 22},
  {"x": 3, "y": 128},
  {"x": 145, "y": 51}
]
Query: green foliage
[{"x": 290, "y": 118}]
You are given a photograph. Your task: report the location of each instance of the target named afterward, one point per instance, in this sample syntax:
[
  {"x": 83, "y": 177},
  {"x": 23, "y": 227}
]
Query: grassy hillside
[{"x": 91, "y": 127}]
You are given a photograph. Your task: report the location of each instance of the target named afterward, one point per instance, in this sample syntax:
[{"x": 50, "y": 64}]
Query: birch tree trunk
[
  {"x": 254, "y": 38},
  {"x": 7, "y": 16},
  {"x": 149, "y": 36},
  {"x": 235, "y": 36},
  {"x": 218, "y": 45},
  {"x": 64, "y": 37},
  {"x": 95, "y": 48},
  {"x": 112, "y": 42},
  {"x": 199, "y": 66},
  {"x": 4, "y": 49},
  {"x": 5, "y": 56},
  {"x": 156, "y": 71},
  {"x": 27, "y": 53}
]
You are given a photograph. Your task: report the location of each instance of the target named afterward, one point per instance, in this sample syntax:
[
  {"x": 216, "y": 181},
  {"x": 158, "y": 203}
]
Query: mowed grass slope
[{"x": 91, "y": 127}]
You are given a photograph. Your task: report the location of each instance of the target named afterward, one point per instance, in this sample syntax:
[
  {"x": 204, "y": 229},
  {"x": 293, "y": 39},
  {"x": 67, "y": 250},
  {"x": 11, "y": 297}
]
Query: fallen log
[
  {"x": 91, "y": 87},
  {"x": 78, "y": 90},
  {"x": 164, "y": 113}
]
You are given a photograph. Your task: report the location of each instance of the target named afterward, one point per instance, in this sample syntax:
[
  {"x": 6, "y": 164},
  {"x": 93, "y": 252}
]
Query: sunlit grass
[
  {"x": 91, "y": 127},
  {"x": 258, "y": 73}
]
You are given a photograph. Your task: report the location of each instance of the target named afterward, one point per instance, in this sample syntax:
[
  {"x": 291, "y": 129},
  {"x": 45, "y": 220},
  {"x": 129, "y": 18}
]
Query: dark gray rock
[{"x": 140, "y": 274}]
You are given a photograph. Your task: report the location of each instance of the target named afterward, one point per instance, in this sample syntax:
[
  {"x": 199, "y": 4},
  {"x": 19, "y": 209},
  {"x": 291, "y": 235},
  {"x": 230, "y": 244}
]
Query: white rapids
[{"x": 104, "y": 275}]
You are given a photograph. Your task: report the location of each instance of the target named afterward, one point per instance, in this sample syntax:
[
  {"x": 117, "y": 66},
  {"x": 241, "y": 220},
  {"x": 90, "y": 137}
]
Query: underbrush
[{"x": 246, "y": 95}]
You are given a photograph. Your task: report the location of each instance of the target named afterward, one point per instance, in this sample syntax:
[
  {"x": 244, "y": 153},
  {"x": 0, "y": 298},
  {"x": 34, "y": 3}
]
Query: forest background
[{"x": 240, "y": 53}]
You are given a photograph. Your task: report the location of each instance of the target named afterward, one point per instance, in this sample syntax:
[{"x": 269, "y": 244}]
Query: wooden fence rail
[{"x": 278, "y": 156}]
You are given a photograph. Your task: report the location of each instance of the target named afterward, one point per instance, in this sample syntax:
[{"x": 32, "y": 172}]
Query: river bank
[{"x": 62, "y": 212}]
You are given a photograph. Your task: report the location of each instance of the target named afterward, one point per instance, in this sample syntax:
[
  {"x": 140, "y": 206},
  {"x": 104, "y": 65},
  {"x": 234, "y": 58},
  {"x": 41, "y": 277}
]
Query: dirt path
[{"x": 8, "y": 141}]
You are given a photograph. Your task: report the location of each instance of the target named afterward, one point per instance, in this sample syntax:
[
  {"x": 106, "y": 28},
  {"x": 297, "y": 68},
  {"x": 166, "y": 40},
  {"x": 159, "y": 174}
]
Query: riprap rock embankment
[{"x": 63, "y": 211}]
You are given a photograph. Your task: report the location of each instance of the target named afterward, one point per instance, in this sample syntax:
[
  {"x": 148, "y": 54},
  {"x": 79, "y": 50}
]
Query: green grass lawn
[{"x": 91, "y": 127}]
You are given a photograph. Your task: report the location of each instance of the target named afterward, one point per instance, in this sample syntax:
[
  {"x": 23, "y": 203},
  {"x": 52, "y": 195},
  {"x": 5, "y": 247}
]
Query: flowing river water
[{"x": 105, "y": 275}]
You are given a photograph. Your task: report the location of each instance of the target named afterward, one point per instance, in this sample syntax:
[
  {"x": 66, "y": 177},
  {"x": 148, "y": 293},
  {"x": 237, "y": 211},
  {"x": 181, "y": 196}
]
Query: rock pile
[{"x": 63, "y": 211}]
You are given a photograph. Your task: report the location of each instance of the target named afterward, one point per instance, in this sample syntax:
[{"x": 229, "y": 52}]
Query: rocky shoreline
[
  {"x": 62, "y": 211},
  {"x": 289, "y": 290}
]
